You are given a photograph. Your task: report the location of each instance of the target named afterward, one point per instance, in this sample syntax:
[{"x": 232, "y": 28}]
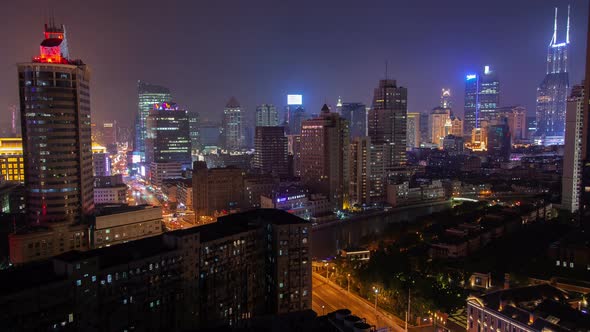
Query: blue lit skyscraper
[
  {"x": 552, "y": 92},
  {"x": 147, "y": 96},
  {"x": 482, "y": 98}
]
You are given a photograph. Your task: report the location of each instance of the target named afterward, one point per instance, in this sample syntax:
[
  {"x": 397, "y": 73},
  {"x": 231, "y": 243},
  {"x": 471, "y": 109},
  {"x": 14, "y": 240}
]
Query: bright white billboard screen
[{"x": 294, "y": 100}]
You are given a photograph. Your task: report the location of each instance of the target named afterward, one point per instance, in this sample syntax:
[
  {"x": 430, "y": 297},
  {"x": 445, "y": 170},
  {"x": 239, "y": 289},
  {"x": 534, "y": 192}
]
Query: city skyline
[{"x": 219, "y": 76}]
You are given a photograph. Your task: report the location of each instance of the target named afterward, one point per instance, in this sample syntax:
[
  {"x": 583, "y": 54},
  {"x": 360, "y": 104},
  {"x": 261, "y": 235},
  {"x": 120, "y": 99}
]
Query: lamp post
[
  {"x": 376, "y": 293},
  {"x": 323, "y": 310},
  {"x": 348, "y": 282},
  {"x": 327, "y": 280}
]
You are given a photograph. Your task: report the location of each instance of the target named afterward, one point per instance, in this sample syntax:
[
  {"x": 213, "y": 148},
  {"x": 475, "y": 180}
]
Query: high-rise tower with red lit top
[{"x": 55, "y": 119}]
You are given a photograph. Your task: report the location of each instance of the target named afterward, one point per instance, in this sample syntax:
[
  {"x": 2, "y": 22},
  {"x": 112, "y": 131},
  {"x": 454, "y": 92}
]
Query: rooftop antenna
[
  {"x": 385, "y": 69},
  {"x": 554, "y": 39},
  {"x": 567, "y": 35}
]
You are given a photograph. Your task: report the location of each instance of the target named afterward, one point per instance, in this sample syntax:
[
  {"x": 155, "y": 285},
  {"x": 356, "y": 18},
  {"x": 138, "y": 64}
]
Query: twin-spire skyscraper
[{"x": 552, "y": 92}]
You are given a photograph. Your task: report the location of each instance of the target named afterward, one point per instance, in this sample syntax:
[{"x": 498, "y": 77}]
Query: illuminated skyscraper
[
  {"x": 147, "y": 96},
  {"x": 233, "y": 132},
  {"x": 445, "y": 98},
  {"x": 413, "y": 130},
  {"x": 168, "y": 135},
  {"x": 516, "y": 116},
  {"x": 193, "y": 119},
  {"x": 356, "y": 115},
  {"x": 294, "y": 114},
  {"x": 437, "y": 124},
  {"x": 573, "y": 152},
  {"x": 499, "y": 140},
  {"x": 324, "y": 156},
  {"x": 267, "y": 116},
  {"x": 552, "y": 92},
  {"x": 387, "y": 122},
  {"x": 55, "y": 119},
  {"x": 482, "y": 98},
  {"x": 270, "y": 151}
]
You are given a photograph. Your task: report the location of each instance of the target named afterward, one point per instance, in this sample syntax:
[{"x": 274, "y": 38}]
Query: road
[{"x": 328, "y": 297}]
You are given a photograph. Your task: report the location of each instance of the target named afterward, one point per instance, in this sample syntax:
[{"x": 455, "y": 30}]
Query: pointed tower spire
[
  {"x": 567, "y": 34},
  {"x": 554, "y": 39}
]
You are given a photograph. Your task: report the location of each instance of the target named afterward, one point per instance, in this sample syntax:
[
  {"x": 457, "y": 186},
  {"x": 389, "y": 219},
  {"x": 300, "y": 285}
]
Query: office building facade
[
  {"x": 499, "y": 141},
  {"x": 413, "y": 130},
  {"x": 216, "y": 191},
  {"x": 168, "y": 135},
  {"x": 445, "y": 99},
  {"x": 324, "y": 156},
  {"x": 58, "y": 166},
  {"x": 193, "y": 123},
  {"x": 147, "y": 95},
  {"x": 11, "y": 159},
  {"x": 233, "y": 131},
  {"x": 516, "y": 117},
  {"x": 482, "y": 98},
  {"x": 267, "y": 116},
  {"x": 270, "y": 151},
  {"x": 387, "y": 123},
  {"x": 552, "y": 92},
  {"x": 571, "y": 189},
  {"x": 356, "y": 115},
  {"x": 219, "y": 275}
]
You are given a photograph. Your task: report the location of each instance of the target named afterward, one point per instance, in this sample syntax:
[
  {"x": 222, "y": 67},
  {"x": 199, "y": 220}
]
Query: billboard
[{"x": 294, "y": 100}]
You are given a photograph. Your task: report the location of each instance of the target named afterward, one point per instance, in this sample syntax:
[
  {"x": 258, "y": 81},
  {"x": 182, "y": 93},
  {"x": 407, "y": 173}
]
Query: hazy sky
[{"x": 205, "y": 51}]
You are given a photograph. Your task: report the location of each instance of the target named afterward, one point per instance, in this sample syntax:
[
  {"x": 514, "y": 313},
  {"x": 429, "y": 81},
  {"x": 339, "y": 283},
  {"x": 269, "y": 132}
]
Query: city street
[{"x": 328, "y": 297}]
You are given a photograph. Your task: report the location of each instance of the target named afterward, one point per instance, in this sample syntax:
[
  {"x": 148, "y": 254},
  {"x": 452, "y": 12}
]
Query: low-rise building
[
  {"x": 45, "y": 241},
  {"x": 256, "y": 186},
  {"x": 356, "y": 254},
  {"x": 116, "y": 224},
  {"x": 160, "y": 171},
  {"x": 244, "y": 266},
  {"x": 114, "y": 194},
  {"x": 184, "y": 193},
  {"x": 11, "y": 159},
  {"x": 404, "y": 194},
  {"x": 525, "y": 309},
  {"x": 306, "y": 206}
]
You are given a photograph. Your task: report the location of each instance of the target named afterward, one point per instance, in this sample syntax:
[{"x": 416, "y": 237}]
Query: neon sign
[
  {"x": 166, "y": 107},
  {"x": 471, "y": 77}
]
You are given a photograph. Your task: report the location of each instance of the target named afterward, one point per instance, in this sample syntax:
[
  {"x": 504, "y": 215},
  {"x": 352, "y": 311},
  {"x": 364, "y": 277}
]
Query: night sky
[{"x": 205, "y": 51}]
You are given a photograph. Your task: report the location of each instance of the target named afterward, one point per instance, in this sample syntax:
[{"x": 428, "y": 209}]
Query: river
[{"x": 328, "y": 240}]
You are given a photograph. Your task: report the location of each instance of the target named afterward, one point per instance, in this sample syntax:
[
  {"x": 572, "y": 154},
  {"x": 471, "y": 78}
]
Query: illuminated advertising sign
[
  {"x": 294, "y": 100},
  {"x": 470, "y": 77},
  {"x": 284, "y": 199},
  {"x": 136, "y": 159},
  {"x": 166, "y": 107}
]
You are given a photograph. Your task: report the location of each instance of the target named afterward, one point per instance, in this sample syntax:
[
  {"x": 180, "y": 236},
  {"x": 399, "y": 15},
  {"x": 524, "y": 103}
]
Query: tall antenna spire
[
  {"x": 385, "y": 69},
  {"x": 567, "y": 35},
  {"x": 554, "y": 39}
]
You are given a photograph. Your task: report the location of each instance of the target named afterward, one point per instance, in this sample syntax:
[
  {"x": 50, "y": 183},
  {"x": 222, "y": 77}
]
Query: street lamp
[
  {"x": 348, "y": 282},
  {"x": 376, "y": 292},
  {"x": 323, "y": 310},
  {"x": 327, "y": 280}
]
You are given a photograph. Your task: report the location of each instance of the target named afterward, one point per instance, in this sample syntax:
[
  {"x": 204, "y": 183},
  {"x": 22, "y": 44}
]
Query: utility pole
[{"x": 408, "y": 312}]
